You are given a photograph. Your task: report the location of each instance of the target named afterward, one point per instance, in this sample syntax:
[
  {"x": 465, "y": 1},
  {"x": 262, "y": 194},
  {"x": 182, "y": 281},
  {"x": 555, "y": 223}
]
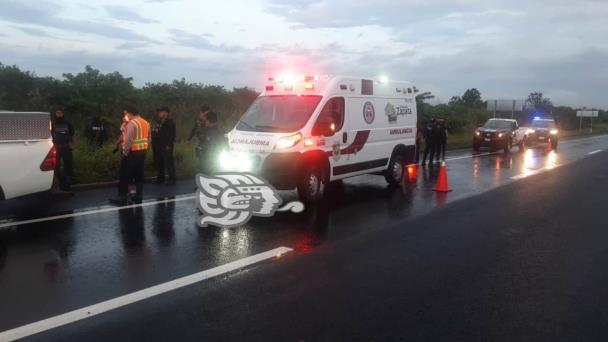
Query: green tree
[
  {"x": 538, "y": 102},
  {"x": 472, "y": 98},
  {"x": 94, "y": 93},
  {"x": 455, "y": 101}
]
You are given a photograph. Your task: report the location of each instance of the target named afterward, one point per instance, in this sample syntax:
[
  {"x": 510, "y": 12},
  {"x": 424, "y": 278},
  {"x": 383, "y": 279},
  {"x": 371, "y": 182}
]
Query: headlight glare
[
  {"x": 553, "y": 131},
  {"x": 288, "y": 141}
]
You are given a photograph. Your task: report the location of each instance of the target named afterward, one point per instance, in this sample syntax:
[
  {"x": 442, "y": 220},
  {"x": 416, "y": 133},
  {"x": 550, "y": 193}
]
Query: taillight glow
[
  {"x": 308, "y": 142},
  {"x": 50, "y": 161}
]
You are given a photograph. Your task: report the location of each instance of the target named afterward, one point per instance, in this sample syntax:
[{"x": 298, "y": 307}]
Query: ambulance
[{"x": 306, "y": 131}]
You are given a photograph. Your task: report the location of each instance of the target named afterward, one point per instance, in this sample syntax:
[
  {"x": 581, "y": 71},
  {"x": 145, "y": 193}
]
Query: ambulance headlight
[
  {"x": 288, "y": 141},
  {"x": 235, "y": 162}
]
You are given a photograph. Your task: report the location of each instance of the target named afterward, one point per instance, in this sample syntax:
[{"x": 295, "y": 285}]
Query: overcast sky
[{"x": 504, "y": 48}]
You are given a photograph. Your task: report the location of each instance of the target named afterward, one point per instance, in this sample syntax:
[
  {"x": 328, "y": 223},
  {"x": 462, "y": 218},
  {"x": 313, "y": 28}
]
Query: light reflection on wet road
[{"x": 54, "y": 267}]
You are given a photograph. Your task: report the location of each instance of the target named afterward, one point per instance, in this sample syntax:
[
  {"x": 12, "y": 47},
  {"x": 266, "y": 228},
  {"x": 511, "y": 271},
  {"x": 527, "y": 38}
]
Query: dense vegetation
[{"x": 90, "y": 93}]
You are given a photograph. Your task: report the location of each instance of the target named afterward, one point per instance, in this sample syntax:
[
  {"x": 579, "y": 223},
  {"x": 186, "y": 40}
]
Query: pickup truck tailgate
[{"x": 25, "y": 141}]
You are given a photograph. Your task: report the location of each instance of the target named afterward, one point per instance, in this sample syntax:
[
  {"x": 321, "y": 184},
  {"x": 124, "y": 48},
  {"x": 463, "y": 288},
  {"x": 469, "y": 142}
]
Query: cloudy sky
[{"x": 504, "y": 48}]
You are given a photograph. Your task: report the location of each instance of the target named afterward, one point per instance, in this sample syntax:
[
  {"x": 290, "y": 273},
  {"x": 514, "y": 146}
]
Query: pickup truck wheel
[
  {"x": 508, "y": 146},
  {"x": 311, "y": 184},
  {"x": 394, "y": 173}
]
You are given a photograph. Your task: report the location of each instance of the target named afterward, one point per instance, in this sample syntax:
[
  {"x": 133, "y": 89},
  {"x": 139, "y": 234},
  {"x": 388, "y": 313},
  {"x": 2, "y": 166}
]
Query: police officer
[
  {"x": 199, "y": 126},
  {"x": 419, "y": 139},
  {"x": 63, "y": 138},
  {"x": 442, "y": 138},
  {"x": 135, "y": 140},
  {"x": 163, "y": 139},
  {"x": 429, "y": 141},
  {"x": 95, "y": 132},
  {"x": 212, "y": 144}
]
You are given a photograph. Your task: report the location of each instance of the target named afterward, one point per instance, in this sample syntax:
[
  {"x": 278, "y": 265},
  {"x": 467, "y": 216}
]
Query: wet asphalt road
[{"x": 53, "y": 267}]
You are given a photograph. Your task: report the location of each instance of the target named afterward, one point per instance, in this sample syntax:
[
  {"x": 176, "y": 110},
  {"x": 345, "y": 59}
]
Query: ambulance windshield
[{"x": 285, "y": 113}]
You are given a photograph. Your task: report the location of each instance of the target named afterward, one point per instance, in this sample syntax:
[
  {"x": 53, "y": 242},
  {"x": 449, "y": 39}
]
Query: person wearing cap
[
  {"x": 430, "y": 140},
  {"x": 163, "y": 139},
  {"x": 62, "y": 132},
  {"x": 135, "y": 142},
  {"x": 198, "y": 130},
  {"x": 212, "y": 144}
]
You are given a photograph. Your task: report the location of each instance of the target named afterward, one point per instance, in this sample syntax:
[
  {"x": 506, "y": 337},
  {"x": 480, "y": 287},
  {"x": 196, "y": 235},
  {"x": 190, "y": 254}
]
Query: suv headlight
[
  {"x": 500, "y": 135},
  {"x": 553, "y": 131},
  {"x": 288, "y": 141},
  {"x": 530, "y": 131}
]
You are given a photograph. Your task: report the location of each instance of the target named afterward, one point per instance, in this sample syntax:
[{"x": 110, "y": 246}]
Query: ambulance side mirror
[{"x": 325, "y": 126}]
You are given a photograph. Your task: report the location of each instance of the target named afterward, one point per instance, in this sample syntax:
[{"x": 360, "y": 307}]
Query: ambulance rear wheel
[
  {"x": 395, "y": 171},
  {"x": 311, "y": 184}
]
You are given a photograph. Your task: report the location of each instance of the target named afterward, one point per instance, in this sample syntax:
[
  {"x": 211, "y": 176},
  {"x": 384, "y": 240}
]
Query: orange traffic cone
[
  {"x": 548, "y": 148},
  {"x": 442, "y": 180}
]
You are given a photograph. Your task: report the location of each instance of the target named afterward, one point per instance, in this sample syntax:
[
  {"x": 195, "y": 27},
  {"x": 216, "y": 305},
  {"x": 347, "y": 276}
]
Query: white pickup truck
[{"x": 27, "y": 154}]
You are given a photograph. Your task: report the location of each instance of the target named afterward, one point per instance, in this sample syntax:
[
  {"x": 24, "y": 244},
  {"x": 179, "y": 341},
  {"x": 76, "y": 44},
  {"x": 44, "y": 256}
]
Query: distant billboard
[
  {"x": 587, "y": 113},
  {"x": 506, "y": 105}
]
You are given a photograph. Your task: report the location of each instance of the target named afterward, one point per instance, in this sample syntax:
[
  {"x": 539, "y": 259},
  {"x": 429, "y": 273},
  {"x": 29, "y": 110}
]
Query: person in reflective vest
[{"x": 135, "y": 141}]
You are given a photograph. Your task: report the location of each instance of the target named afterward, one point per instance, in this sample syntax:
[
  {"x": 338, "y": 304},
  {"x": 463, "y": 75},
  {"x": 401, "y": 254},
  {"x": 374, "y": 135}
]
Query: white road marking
[
  {"x": 96, "y": 309},
  {"x": 594, "y": 152},
  {"x": 9, "y": 224}
]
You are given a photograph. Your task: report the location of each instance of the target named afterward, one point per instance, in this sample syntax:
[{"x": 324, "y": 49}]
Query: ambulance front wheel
[
  {"x": 395, "y": 171},
  {"x": 311, "y": 185}
]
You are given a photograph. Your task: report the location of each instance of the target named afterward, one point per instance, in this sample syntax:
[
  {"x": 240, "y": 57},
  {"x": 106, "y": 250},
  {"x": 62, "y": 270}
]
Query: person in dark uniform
[
  {"x": 442, "y": 138},
  {"x": 163, "y": 140},
  {"x": 135, "y": 140},
  {"x": 429, "y": 141},
  {"x": 199, "y": 126},
  {"x": 212, "y": 144},
  {"x": 419, "y": 140},
  {"x": 95, "y": 132},
  {"x": 62, "y": 132}
]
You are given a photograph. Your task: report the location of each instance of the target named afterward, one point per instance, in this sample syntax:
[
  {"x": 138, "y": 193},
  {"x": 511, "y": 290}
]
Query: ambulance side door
[{"x": 335, "y": 141}]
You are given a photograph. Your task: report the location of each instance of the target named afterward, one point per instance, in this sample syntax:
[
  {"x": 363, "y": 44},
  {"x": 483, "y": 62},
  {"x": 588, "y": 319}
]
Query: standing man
[
  {"x": 63, "y": 138},
  {"x": 212, "y": 144},
  {"x": 95, "y": 132},
  {"x": 429, "y": 141},
  {"x": 199, "y": 124},
  {"x": 135, "y": 140},
  {"x": 163, "y": 139},
  {"x": 443, "y": 138},
  {"x": 418, "y": 141}
]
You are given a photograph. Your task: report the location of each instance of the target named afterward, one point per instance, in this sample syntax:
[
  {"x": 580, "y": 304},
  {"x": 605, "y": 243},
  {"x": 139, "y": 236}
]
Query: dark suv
[{"x": 542, "y": 131}]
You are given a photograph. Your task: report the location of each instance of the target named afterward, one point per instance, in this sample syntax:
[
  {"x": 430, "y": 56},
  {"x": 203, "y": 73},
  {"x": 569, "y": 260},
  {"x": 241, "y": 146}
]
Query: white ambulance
[{"x": 305, "y": 131}]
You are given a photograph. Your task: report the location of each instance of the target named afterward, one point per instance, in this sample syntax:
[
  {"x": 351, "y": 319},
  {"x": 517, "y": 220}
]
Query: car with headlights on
[
  {"x": 499, "y": 134},
  {"x": 542, "y": 131}
]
